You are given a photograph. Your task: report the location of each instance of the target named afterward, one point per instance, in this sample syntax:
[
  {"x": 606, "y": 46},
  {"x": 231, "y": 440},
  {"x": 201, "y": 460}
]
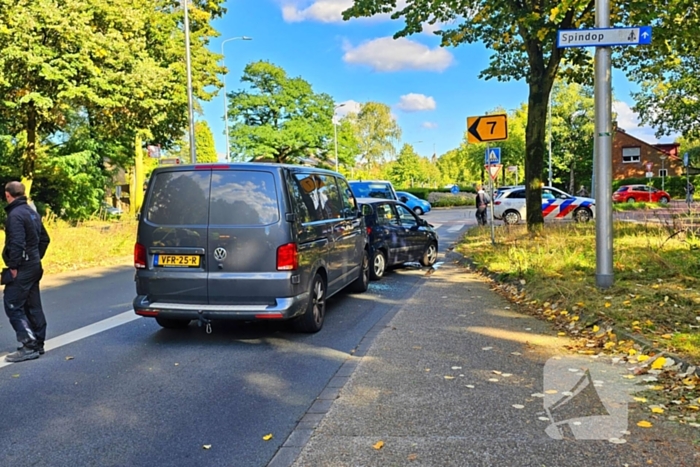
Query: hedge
[{"x": 423, "y": 193}]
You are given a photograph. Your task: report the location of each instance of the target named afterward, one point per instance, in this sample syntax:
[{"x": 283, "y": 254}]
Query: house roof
[{"x": 664, "y": 148}]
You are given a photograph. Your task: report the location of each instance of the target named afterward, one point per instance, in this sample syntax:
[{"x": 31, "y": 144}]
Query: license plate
[{"x": 177, "y": 261}]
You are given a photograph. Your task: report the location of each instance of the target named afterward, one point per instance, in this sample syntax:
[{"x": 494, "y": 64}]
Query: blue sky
[{"x": 431, "y": 90}]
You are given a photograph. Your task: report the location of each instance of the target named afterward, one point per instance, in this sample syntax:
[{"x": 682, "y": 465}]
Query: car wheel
[
  {"x": 312, "y": 319},
  {"x": 663, "y": 200},
  {"x": 378, "y": 265},
  {"x": 361, "y": 284},
  {"x": 169, "y": 323},
  {"x": 430, "y": 255},
  {"x": 631, "y": 200},
  {"x": 511, "y": 217},
  {"x": 418, "y": 211},
  {"x": 583, "y": 215}
]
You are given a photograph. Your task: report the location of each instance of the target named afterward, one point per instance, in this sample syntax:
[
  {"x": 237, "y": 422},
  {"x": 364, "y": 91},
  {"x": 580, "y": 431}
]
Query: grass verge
[
  {"x": 89, "y": 244},
  {"x": 656, "y": 293}
]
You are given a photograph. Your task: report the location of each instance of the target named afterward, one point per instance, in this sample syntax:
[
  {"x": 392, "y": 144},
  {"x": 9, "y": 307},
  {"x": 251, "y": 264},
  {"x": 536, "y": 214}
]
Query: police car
[{"x": 509, "y": 205}]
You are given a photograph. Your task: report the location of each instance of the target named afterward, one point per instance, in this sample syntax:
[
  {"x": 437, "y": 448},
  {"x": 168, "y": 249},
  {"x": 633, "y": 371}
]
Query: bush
[{"x": 443, "y": 200}]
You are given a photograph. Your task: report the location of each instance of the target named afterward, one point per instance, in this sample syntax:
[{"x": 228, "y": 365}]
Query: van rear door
[
  {"x": 246, "y": 229},
  {"x": 174, "y": 232}
]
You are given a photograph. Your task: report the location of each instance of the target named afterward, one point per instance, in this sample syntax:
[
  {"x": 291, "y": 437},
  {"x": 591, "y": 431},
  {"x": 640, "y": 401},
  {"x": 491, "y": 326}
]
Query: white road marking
[
  {"x": 87, "y": 331},
  {"x": 455, "y": 228},
  {"x": 435, "y": 225}
]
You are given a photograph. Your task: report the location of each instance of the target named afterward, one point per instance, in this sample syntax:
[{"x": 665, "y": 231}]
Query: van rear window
[
  {"x": 179, "y": 198},
  {"x": 242, "y": 197}
]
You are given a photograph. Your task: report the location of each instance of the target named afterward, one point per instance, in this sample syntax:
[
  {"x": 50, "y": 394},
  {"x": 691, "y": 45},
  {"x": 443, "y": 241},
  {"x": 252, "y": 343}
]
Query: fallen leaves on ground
[
  {"x": 378, "y": 445},
  {"x": 644, "y": 424},
  {"x": 267, "y": 437}
]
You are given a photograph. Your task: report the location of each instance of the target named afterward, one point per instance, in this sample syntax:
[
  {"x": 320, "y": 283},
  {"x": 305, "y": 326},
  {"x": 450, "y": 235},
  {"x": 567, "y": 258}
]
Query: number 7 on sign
[{"x": 487, "y": 128}]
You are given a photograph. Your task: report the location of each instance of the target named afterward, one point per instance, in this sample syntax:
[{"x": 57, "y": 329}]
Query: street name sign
[
  {"x": 487, "y": 128},
  {"x": 603, "y": 37},
  {"x": 492, "y": 156}
]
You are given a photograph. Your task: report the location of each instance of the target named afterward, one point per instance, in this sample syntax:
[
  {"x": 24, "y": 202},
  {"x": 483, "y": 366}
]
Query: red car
[{"x": 640, "y": 194}]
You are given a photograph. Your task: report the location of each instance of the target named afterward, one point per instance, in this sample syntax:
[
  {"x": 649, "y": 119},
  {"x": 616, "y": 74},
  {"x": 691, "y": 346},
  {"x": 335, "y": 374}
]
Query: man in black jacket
[{"x": 26, "y": 241}]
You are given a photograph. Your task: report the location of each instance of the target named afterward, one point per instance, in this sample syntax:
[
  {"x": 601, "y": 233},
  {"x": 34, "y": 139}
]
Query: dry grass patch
[
  {"x": 656, "y": 292},
  {"x": 88, "y": 244}
]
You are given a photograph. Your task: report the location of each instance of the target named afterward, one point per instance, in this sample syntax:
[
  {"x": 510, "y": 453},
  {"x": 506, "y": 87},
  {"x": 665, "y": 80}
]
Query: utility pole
[
  {"x": 603, "y": 154},
  {"x": 190, "y": 99}
]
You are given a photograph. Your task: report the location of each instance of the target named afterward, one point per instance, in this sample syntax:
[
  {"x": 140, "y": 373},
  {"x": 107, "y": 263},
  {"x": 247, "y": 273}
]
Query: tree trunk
[
  {"x": 572, "y": 180},
  {"x": 534, "y": 148},
  {"x": 29, "y": 163}
]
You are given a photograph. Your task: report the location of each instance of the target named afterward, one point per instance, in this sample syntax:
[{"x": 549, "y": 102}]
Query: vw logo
[{"x": 220, "y": 254}]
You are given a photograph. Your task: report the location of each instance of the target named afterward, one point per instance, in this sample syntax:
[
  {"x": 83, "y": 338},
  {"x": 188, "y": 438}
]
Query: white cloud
[
  {"x": 347, "y": 107},
  {"x": 628, "y": 120},
  {"x": 416, "y": 103},
  {"x": 387, "y": 54},
  {"x": 429, "y": 125},
  {"x": 324, "y": 11}
]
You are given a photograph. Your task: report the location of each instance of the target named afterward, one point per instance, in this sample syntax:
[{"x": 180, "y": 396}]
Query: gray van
[{"x": 247, "y": 242}]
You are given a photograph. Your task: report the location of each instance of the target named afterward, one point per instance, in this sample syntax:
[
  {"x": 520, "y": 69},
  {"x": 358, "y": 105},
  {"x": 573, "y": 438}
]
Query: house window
[
  {"x": 663, "y": 173},
  {"x": 631, "y": 155}
]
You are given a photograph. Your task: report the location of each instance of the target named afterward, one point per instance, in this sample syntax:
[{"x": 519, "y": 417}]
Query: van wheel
[
  {"x": 378, "y": 265},
  {"x": 430, "y": 255},
  {"x": 312, "y": 319},
  {"x": 361, "y": 284},
  {"x": 169, "y": 323}
]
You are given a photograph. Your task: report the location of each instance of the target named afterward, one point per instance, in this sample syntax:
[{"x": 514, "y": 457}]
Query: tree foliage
[
  {"x": 204, "y": 140},
  {"x": 279, "y": 118},
  {"x": 376, "y": 130},
  {"x": 668, "y": 70},
  {"x": 92, "y": 76},
  {"x": 572, "y": 135}
]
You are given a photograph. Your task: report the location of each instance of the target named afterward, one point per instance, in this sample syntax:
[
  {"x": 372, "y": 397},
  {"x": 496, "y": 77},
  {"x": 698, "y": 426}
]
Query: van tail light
[
  {"x": 369, "y": 230},
  {"x": 287, "y": 257},
  {"x": 139, "y": 256}
]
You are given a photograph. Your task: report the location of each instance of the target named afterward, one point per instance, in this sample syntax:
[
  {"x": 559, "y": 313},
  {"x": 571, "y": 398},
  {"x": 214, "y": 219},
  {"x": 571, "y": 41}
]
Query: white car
[{"x": 509, "y": 205}]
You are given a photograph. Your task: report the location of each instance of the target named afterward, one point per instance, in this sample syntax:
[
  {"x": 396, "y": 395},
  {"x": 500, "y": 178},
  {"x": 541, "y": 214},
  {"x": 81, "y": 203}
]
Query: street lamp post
[
  {"x": 190, "y": 100},
  {"x": 663, "y": 172},
  {"x": 223, "y": 62},
  {"x": 335, "y": 133}
]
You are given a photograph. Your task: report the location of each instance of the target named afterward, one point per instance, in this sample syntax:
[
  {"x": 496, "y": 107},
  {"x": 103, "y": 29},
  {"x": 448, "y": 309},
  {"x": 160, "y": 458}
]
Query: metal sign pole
[
  {"x": 493, "y": 229},
  {"x": 603, "y": 152}
]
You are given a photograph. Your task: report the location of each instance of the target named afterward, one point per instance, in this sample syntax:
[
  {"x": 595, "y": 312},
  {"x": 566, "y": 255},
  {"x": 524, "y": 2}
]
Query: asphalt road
[{"x": 117, "y": 390}]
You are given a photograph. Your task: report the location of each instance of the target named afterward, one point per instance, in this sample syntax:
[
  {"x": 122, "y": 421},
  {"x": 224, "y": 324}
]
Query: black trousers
[
  {"x": 481, "y": 216},
  {"x": 22, "y": 302}
]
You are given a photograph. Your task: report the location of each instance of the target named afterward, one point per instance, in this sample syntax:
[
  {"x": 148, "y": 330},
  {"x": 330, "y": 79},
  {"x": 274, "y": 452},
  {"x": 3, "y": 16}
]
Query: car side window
[
  {"x": 346, "y": 198},
  {"x": 305, "y": 191},
  {"x": 329, "y": 197},
  {"x": 408, "y": 219},
  {"x": 517, "y": 194},
  {"x": 386, "y": 215},
  {"x": 547, "y": 194}
]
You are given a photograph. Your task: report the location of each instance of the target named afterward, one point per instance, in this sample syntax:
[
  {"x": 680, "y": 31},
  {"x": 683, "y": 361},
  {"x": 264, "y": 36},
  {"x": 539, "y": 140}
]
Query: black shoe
[
  {"x": 41, "y": 350},
  {"x": 22, "y": 354}
]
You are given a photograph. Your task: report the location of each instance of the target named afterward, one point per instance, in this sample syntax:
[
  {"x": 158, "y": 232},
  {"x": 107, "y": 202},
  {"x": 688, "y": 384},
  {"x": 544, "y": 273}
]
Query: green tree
[
  {"x": 204, "y": 139},
  {"x": 376, "y": 130},
  {"x": 572, "y": 135},
  {"x": 279, "y": 118},
  {"x": 668, "y": 69},
  {"x": 522, "y": 36},
  {"x": 114, "y": 68},
  {"x": 406, "y": 171}
]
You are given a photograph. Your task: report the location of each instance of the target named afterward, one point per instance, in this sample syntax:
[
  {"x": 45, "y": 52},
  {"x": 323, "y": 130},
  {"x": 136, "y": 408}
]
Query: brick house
[{"x": 630, "y": 156}]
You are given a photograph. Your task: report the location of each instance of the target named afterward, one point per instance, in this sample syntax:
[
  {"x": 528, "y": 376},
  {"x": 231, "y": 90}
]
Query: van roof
[{"x": 244, "y": 166}]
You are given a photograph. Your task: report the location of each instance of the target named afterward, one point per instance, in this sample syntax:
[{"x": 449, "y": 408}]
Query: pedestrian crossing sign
[{"x": 493, "y": 156}]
